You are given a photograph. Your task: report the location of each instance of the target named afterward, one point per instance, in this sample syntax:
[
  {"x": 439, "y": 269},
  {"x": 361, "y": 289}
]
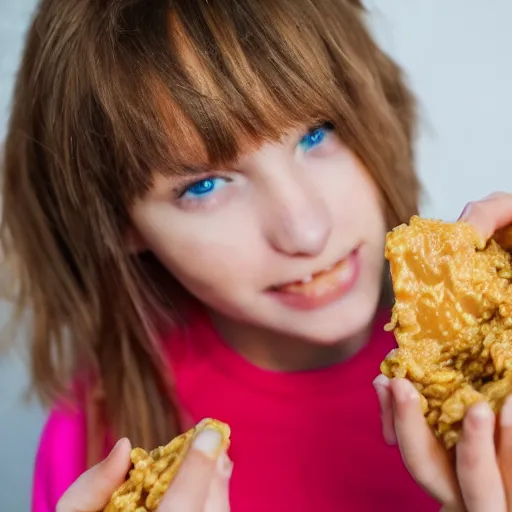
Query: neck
[{"x": 279, "y": 352}]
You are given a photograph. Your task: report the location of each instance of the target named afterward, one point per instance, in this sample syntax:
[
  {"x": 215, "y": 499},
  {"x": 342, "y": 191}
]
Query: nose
[{"x": 298, "y": 221}]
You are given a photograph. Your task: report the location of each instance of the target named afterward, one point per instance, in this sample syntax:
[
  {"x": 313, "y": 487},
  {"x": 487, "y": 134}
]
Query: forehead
[{"x": 225, "y": 100}]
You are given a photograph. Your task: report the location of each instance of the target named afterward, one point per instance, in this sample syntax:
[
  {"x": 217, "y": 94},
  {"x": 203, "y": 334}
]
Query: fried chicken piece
[
  {"x": 451, "y": 319},
  {"x": 152, "y": 473}
]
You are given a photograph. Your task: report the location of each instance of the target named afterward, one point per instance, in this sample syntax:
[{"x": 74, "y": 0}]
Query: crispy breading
[
  {"x": 152, "y": 473},
  {"x": 451, "y": 319}
]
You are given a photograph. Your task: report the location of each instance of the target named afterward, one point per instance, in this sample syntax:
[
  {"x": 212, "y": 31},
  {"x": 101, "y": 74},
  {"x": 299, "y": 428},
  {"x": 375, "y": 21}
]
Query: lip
[{"x": 325, "y": 287}]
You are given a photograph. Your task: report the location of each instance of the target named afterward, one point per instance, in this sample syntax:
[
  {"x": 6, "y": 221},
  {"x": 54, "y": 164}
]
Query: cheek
[
  {"x": 353, "y": 196},
  {"x": 206, "y": 259},
  {"x": 197, "y": 265}
]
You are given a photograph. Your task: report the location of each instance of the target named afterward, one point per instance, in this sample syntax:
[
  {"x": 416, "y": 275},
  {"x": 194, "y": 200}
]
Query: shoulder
[{"x": 61, "y": 456}]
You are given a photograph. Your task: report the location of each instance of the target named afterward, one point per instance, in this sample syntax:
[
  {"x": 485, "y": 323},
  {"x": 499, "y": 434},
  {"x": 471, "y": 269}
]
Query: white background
[{"x": 458, "y": 56}]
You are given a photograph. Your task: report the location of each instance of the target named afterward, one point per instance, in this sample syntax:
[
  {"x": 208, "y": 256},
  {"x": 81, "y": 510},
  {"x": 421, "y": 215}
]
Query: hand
[
  {"x": 480, "y": 478},
  {"x": 490, "y": 214},
  {"x": 201, "y": 485}
]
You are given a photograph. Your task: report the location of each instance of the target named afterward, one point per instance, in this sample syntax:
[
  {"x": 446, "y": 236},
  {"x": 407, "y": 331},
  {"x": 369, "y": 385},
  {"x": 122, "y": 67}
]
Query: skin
[
  {"x": 202, "y": 484},
  {"x": 285, "y": 210},
  {"x": 283, "y": 213},
  {"x": 481, "y": 479}
]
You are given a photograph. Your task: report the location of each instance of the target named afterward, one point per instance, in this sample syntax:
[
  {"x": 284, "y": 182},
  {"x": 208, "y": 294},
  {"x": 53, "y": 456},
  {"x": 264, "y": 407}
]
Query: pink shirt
[{"x": 302, "y": 442}]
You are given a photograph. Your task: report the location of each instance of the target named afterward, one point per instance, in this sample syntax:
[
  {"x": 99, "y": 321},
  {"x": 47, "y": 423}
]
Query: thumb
[
  {"x": 92, "y": 491},
  {"x": 218, "y": 494},
  {"x": 190, "y": 488}
]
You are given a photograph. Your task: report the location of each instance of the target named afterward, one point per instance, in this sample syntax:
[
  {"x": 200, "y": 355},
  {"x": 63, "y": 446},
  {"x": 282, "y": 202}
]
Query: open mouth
[{"x": 322, "y": 287}]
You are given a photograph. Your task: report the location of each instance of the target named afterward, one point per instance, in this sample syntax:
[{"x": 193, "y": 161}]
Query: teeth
[
  {"x": 307, "y": 279},
  {"x": 345, "y": 272},
  {"x": 310, "y": 278}
]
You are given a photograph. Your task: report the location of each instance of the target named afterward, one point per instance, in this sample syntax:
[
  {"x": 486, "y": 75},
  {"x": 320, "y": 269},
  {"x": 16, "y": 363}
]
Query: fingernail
[
  {"x": 404, "y": 391},
  {"x": 381, "y": 385},
  {"x": 116, "y": 447},
  {"x": 479, "y": 413},
  {"x": 224, "y": 466},
  {"x": 381, "y": 381},
  {"x": 209, "y": 442},
  {"x": 465, "y": 212},
  {"x": 506, "y": 413}
]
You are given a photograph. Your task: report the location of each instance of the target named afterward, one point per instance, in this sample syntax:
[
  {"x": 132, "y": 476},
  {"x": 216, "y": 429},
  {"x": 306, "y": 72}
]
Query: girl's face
[{"x": 289, "y": 238}]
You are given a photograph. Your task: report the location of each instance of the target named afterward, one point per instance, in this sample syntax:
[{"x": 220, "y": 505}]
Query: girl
[{"x": 196, "y": 195}]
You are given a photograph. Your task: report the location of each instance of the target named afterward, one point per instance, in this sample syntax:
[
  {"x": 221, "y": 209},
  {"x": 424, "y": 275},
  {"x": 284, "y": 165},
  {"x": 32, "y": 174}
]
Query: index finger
[
  {"x": 423, "y": 455},
  {"x": 189, "y": 490},
  {"x": 94, "y": 488},
  {"x": 477, "y": 465},
  {"x": 489, "y": 214}
]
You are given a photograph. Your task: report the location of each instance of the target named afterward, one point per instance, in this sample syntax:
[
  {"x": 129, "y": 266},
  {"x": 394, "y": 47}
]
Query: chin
[{"x": 352, "y": 322}]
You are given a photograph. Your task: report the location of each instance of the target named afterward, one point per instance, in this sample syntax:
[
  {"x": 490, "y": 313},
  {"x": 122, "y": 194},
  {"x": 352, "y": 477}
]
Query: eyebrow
[
  {"x": 191, "y": 168},
  {"x": 188, "y": 169}
]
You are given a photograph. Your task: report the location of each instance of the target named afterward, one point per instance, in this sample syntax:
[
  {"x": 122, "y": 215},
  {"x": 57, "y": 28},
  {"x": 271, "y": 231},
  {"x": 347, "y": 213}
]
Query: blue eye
[
  {"x": 203, "y": 188},
  {"x": 314, "y": 137}
]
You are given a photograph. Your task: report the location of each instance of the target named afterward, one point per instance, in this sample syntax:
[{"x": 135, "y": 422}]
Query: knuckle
[
  {"x": 468, "y": 457},
  {"x": 426, "y": 475},
  {"x": 498, "y": 194}
]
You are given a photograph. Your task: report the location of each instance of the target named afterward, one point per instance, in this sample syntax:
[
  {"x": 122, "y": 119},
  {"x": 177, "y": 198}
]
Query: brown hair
[{"x": 96, "y": 110}]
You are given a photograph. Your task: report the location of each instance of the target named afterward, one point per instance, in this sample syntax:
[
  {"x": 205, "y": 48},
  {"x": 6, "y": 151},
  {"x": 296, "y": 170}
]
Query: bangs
[
  {"x": 111, "y": 93},
  {"x": 248, "y": 75},
  {"x": 167, "y": 85},
  {"x": 211, "y": 83}
]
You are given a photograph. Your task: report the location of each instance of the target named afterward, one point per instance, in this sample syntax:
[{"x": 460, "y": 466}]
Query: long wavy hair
[{"x": 104, "y": 99}]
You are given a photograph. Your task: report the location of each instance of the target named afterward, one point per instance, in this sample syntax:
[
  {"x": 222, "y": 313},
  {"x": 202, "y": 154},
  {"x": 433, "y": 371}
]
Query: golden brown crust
[
  {"x": 153, "y": 472},
  {"x": 451, "y": 318}
]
